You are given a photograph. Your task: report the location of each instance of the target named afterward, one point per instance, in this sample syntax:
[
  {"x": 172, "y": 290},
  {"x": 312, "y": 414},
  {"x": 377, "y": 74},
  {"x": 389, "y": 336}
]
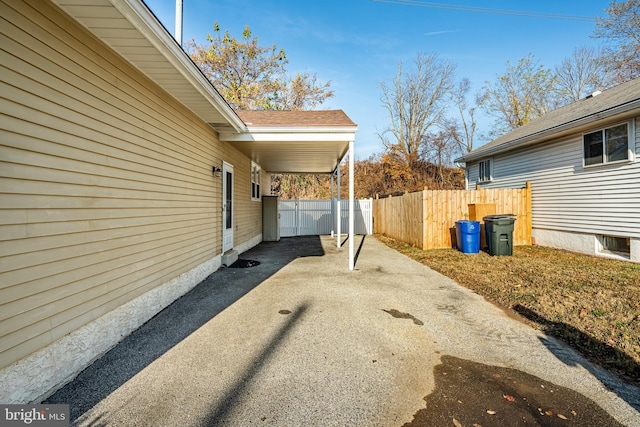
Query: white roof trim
[{"x": 308, "y": 134}]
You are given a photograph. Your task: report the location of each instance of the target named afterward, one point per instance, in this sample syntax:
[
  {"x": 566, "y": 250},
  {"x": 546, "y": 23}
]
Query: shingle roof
[
  {"x": 619, "y": 99},
  {"x": 310, "y": 118}
]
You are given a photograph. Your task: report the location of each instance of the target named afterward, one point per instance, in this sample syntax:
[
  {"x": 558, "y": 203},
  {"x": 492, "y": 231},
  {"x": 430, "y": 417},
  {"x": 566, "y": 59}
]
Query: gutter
[{"x": 545, "y": 134}]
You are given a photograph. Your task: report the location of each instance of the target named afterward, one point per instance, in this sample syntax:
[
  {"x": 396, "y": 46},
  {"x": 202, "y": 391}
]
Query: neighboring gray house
[{"x": 582, "y": 163}]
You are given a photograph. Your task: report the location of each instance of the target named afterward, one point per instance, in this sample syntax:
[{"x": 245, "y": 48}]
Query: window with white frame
[
  {"x": 608, "y": 145},
  {"x": 256, "y": 180},
  {"x": 484, "y": 171}
]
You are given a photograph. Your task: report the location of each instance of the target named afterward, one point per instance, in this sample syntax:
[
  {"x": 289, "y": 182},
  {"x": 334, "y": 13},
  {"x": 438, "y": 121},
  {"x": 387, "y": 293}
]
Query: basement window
[
  {"x": 608, "y": 145},
  {"x": 256, "y": 179},
  {"x": 616, "y": 245}
]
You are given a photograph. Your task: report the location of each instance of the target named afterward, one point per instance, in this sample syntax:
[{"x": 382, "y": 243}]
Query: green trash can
[{"x": 499, "y": 233}]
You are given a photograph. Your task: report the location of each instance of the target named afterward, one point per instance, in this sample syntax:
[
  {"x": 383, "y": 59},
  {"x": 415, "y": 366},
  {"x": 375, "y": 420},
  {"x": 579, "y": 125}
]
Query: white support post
[
  {"x": 333, "y": 208},
  {"x": 351, "y": 209},
  {"x": 338, "y": 209}
]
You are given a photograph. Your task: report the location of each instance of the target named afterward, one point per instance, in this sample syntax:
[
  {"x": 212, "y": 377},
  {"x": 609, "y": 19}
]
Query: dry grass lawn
[{"x": 591, "y": 303}]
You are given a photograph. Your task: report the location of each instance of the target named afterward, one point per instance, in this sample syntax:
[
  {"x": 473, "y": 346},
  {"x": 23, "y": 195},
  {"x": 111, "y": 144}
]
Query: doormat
[{"x": 244, "y": 263}]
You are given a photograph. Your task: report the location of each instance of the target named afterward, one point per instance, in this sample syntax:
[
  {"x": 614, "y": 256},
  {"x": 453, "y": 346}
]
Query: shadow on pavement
[
  {"x": 595, "y": 351},
  {"x": 236, "y": 393},
  {"x": 177, "y": 321},
  {"x": 357, "y": 254}
]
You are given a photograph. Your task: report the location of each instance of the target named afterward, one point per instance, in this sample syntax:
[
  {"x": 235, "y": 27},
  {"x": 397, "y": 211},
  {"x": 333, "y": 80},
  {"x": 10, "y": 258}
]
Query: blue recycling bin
[{"x": 468, "y": 236}]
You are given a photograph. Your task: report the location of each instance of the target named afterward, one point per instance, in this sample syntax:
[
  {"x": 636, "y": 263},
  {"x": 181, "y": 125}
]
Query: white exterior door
[{"x": 227, "y": 207}]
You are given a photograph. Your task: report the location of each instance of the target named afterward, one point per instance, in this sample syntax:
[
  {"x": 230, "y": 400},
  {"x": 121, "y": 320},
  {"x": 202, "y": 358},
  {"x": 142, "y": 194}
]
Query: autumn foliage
[{"x": 381, "y": 174}]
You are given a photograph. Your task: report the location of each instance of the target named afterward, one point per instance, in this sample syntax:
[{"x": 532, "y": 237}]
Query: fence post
[
  {"x": 425, "y": 220},
  {"x": 529, "y": 213},
  {"x": 370, "y": 225},
  {"x": 297, "y": 217}
]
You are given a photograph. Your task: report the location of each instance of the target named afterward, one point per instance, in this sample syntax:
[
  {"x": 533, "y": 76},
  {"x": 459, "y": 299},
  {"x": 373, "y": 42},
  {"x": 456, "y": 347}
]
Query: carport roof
[
  {"x": 294, "y": 141},
  {"x": 295, "y": 118},
  {"x": 285, "y": 141}
]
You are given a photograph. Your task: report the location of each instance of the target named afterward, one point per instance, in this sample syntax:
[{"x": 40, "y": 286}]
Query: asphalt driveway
[{"x": 299, "y": 340}]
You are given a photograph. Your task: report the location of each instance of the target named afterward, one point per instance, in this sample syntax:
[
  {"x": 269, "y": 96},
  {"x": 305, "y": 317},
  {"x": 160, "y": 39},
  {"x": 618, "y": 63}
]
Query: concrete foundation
[
  {"x": 38, "y": 375},
  {"x": 231, "y": 256},
  {"x": 584, "y": 243},
  {"x": 243, "y": 247}
]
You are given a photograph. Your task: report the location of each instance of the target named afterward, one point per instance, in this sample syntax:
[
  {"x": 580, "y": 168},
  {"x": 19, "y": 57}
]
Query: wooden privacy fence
[{"x": 427, "y": 219}]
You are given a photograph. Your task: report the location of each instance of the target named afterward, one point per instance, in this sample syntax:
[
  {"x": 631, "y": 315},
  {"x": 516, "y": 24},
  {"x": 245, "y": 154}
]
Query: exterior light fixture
[{"x": 217, "y": 172}]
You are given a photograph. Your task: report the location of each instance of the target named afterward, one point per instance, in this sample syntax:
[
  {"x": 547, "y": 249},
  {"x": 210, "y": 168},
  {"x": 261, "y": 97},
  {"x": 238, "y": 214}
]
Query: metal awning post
[
  {"x": 351, "y": 208},
  {"x": 333, "y": 207},
  {"x": 338, "y": 208}
]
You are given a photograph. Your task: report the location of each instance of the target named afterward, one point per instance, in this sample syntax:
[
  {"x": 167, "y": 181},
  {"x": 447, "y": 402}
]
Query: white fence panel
[
  {"x": 363, "y": 213},
  {"x": 288, "y": 218},
  {"x": 314, "y": 217}
]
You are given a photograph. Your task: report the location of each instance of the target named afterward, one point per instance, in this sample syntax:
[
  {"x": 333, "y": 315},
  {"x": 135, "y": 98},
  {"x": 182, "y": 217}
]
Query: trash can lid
[{"x": 500, "y": 216}]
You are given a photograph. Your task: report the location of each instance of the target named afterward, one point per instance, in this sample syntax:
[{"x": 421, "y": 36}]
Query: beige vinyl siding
[
  {"x": 569, "y": 197},
  {"x": 106, "y": 188}
]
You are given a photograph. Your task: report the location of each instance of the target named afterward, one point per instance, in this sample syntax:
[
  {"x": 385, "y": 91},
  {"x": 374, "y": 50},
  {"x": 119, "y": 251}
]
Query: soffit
[{"x": 131, "y": 29}]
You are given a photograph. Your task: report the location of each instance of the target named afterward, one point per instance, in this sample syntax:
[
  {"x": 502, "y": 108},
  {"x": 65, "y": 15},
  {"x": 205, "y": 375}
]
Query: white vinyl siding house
[{"x": 575, "y": 206}]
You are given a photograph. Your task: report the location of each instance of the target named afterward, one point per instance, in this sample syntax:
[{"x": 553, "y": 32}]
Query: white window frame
[
  {"x": 256, "y": 182},
  {"x": 630, "y": 145},
  {"x": 483, "y": 165}
]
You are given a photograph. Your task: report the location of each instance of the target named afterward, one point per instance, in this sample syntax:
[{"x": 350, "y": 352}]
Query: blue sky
[{"x": 358, "y": 43}]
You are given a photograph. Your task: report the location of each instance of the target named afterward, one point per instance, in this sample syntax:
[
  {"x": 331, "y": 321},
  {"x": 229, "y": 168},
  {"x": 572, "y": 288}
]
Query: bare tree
[
  {"x": 415, "y": 101},
  {"x": 623, "y": 22},
  {"x": 581, "y": 74},
  {"x": 439, "y": 149},
  {"x": 464, "y": 134},
  {"x": 302, "y": 92},
  {"x": 525, "y": 91},
  {"x": 622, "y": 29}
]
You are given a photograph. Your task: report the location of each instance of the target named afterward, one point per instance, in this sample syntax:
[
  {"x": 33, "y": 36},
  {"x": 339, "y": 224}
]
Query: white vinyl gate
[{"x": 313, "y": 217}]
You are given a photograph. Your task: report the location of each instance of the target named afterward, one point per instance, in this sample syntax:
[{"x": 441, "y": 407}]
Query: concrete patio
[{"x": 299, "y": 340}]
